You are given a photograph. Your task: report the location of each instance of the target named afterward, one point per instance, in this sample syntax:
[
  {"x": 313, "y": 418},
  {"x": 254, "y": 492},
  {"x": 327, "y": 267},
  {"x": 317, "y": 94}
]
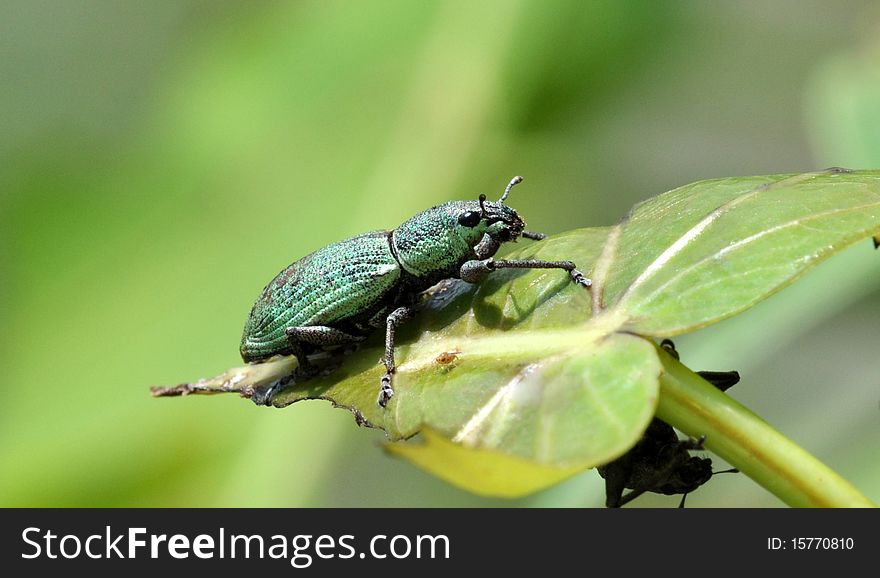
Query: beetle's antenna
[
  {"x": 483, "y": 213},
  {"x": 514, "y": 181}
]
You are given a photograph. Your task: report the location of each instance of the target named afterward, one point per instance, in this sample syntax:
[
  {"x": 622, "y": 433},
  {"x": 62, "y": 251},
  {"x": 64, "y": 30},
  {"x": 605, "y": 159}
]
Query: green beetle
[{"x": 343, "y": 292}]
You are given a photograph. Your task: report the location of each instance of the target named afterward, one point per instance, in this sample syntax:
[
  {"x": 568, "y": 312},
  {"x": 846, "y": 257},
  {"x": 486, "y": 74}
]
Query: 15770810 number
[{"x": 810, "y": 544}]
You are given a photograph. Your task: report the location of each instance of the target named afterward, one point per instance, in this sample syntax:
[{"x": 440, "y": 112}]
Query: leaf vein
[
  {"x": 688, "y": 236},
  {"x": 744, "y": 243}
]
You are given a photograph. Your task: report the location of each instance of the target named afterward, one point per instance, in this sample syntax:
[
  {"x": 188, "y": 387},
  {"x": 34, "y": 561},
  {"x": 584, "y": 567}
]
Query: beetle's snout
[
  {"x": 510, "y": 229},
  {"x": 516, "y": 226}
]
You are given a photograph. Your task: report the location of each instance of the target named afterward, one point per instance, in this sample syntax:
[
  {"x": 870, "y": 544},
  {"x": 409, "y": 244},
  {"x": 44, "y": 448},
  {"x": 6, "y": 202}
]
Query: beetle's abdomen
[{"x": 343, "y": 281}]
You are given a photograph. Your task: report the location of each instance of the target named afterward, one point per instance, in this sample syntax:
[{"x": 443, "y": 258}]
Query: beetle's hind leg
[
  {"x": 476, "y": 271},
  {"x": 395, "y": 318},
  {"x": 265, "y": 396},
  {"x": 318, "y": 335}
]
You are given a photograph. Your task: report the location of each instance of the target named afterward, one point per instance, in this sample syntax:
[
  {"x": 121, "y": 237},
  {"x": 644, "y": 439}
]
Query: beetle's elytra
[{"x": 340, "y": 294}]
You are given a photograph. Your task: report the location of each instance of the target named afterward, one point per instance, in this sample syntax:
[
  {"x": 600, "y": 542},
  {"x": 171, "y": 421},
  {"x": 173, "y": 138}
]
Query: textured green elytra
[
  {"x": 343, "y": 292},
  {"x": 343, "y": 285}
]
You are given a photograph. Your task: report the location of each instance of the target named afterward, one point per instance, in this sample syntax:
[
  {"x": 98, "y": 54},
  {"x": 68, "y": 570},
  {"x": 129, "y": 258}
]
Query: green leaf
[
  {"x": 710, "y": 250},
  {"x": 564, "y": 413},
  {"x": 546, "y": 405}
]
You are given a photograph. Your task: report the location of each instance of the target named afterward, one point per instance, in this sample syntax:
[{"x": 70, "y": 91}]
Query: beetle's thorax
[{"x": 434, "y": 244}]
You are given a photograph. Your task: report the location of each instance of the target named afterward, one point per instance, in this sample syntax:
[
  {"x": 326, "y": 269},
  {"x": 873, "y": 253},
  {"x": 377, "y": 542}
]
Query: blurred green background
[{"x": 161, "y": 161}]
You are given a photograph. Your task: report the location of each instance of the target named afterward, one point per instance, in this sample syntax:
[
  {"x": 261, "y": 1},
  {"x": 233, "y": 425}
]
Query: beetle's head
[
  {"x": 492, "y": 218},
  {"x": 442, "y": 237}
]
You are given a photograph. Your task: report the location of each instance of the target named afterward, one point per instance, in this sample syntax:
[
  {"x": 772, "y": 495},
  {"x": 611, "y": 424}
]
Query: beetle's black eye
[
  {"x": 504, "y": 235},
  {"x": 469, "y": 219}
]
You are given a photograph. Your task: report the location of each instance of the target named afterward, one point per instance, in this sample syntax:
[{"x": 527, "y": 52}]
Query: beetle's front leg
[
  {"x": 476, "y": 271},
  {"x": 489, "y": 246},
  {"x": 486, "y": 247},
  {"x": 395, "y": 318}
]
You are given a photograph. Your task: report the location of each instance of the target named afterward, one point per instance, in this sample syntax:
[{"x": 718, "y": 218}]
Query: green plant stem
[{"x": 692, "y": 405}]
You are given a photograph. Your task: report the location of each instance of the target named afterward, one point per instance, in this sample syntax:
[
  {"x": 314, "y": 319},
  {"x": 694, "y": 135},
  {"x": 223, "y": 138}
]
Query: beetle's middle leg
[
  {"x": 394, "y": 319},
  {"x": 476, "y": 271}
]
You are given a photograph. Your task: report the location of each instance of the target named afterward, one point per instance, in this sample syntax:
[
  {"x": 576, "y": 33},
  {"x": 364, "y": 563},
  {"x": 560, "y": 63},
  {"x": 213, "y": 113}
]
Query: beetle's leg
[
  {"x": 476, "y": 271},
  {"x": 576, "y": 275},
  {"x": 297, "y": 350},
  {"x": 313, "y": 335},
  {"x": 321, "y": 335},
  {"x": 265, "y": 396},
  {"x": 487, "y": 247},
  {"x": 394, "y": 319},
  {"x": 304, "y": 368}
]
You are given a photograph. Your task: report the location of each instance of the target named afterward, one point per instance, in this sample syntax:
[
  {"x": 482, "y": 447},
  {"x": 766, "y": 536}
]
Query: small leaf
[{"x": 483, "y": 472}]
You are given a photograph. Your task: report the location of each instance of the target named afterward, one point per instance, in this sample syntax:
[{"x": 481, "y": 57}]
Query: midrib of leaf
[
  {"x": 688, "y": 236},
  {"x": 464, "y": 435},
  {"x": 744, "y": 243},
  {"x": 603, "y": 266},
  {"x": 421, "y": 355},
  {"x": 601, "y": 402}
]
